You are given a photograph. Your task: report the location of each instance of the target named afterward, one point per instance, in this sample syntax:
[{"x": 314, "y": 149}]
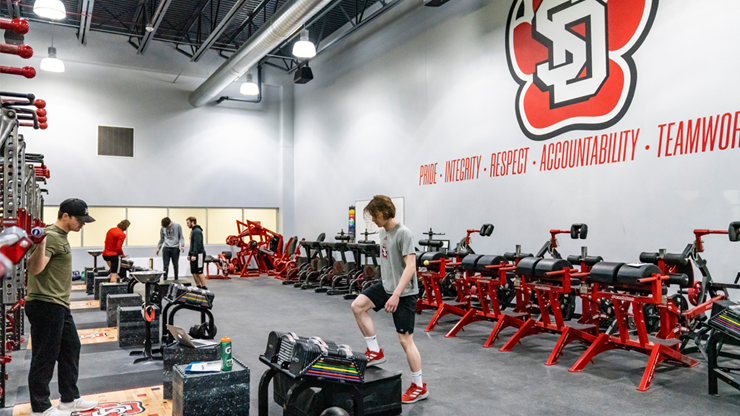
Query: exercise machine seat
[
  {"x": 590, "y": 260},
  {"x": 545, "y": 266},
  {"x": 605, "y": 272},
  {"x": 492, "y": 260},
  {"x": 469, "y": 262},
  {"x": 670, "y": 258},
  {"x": 526, "y": 266},
  {"x": 512, "y": 256},
  {"x": 432, "y": 256},
  {"x": 433, "y": 243},
  {"x": 630, "y": 274}
]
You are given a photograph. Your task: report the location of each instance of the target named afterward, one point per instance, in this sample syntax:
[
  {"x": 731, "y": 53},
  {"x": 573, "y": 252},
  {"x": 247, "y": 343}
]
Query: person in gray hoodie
[
  {"x": 197, "y": 252},
  {"x": 170, "y": 240}
]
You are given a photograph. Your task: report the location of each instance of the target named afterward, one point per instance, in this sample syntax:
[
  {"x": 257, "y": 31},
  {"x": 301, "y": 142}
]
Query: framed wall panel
[
  {"x": 145, "y": 226},
  {"x": 105, "y": 219},
  {"x": 266, "y": 216},
  {"x": 221, "y": 224}
]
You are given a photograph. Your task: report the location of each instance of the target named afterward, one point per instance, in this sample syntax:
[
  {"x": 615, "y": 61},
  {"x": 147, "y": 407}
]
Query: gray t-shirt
[
  {"x": 394, "y": 245},
  {"x": 171, "y": 236}
]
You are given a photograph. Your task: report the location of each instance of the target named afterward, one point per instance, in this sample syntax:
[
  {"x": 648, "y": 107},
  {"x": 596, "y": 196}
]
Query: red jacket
[{"x": 114, "y": 242}]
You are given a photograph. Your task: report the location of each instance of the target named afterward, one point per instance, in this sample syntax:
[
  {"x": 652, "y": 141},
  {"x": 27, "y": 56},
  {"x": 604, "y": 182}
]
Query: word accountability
[
  {"x": 593, "y": 150},
  {"x": 703, "y": 134}
]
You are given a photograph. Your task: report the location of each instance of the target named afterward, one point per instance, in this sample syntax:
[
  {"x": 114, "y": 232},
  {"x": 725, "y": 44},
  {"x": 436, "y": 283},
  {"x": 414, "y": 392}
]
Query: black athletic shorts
[
  {"x": 115, "y": 263},
  {"x": 196, "y": 267},
  {"x": 405, "y": 314}
]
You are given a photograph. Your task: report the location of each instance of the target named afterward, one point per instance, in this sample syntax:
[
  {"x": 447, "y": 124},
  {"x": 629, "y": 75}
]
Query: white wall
[
  {"x": 230, "y": 155},
  {"x": 427, "y": 85}
]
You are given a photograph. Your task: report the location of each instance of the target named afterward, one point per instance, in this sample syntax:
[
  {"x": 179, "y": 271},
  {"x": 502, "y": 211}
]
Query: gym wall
[
  {"x": 421, "y": 86},
  {"x": 229, "y": 155}
]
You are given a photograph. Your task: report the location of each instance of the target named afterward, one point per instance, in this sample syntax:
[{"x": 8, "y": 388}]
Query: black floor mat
[{"x": 102, "y": 384}]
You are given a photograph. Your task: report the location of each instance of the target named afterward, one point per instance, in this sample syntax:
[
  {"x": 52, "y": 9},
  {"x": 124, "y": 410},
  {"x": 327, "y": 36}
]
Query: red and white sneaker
[
  {"x": 374, "y": 358},
  {"x": 414, "y": 394}
]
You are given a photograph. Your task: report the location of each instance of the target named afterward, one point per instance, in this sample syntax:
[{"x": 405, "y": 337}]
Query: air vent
[{"x": 115, "y": 141}]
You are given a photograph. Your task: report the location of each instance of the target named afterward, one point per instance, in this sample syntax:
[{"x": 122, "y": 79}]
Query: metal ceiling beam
[
  {"x": 194, "y": 17},
  {"x": 86, "y": 10},
  {"x": 218, "y": 31},
  {"x": 156, "y": 21},
  {"x": 249, "y": 20}
]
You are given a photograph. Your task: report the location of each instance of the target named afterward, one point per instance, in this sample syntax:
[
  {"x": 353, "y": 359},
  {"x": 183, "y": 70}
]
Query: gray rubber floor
[{"x": 463, "y": 378}]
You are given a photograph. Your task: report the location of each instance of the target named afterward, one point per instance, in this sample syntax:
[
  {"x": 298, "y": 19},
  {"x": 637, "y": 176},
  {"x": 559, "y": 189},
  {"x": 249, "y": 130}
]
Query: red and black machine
[
  {"x": 260, "y": 247},
  {"x": 436, "y": 269},
  {"x": 553, "y": 284}
]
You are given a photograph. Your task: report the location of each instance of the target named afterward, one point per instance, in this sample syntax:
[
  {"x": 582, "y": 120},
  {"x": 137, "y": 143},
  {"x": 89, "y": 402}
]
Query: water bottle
[{"x": 226, "y": 354}]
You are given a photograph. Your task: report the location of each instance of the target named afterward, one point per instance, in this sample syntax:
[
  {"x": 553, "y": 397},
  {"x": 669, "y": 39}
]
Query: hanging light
[
  {"x": 52, "y": 9},
  {"x": 52, "y": 64},
  {"x": 249, "y": 87},
  {"x": 304, "y": 48}
]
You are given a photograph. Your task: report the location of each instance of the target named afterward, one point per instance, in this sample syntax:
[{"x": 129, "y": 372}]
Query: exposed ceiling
[{"x": 195, "y": 26}]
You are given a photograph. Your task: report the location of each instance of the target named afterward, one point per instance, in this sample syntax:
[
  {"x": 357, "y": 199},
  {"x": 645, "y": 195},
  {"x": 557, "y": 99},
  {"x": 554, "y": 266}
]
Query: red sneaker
[
  {"x": 414, "y": 394},
  {"x": 374, "y": 358}
]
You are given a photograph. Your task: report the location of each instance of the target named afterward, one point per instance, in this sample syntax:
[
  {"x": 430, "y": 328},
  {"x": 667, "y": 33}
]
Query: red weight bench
[
  {"x": 549, "y": 279},
  {"x": 631, "y": 286},
  {"x": 488, "y": 274},
  {"x": 435, "y": 269}
]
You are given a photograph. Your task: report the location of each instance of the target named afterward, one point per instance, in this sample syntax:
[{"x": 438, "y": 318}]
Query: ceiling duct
[{"x": 277, "y": 29}]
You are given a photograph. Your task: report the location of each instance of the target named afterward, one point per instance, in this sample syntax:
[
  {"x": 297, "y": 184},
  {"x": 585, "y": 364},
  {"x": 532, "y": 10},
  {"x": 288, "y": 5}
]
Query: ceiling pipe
[{"x": 279, "y": 27}]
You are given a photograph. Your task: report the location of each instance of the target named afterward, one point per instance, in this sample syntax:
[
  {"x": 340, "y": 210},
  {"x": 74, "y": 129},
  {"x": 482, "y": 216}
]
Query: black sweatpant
[
  {"x": 174, "y": 254},
  {"x": 55, "y": 340}
]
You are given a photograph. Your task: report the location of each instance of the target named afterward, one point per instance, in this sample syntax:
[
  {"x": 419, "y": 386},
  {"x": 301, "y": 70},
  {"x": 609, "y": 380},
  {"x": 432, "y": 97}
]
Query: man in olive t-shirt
[{"x": 53, "y": 330}]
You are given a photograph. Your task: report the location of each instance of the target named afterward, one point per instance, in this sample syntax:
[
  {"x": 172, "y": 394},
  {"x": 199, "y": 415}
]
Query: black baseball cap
[{"x": 76, "y": 208}]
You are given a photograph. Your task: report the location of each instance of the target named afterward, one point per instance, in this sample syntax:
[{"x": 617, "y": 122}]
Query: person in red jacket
[{"x": 114, "y": 248}]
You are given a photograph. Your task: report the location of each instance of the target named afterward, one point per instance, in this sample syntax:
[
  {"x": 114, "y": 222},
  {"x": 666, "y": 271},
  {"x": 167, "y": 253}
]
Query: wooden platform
[
  {"x": 93, "y": 336},
  {"x": 84, "y": 304},
  {"x": 79, "y": 287},
  {"x": 146, "y": 401}
]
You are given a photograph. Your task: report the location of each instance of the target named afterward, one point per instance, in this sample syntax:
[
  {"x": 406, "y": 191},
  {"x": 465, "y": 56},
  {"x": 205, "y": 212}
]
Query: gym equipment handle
[
  {"x": 26, "y": 71},
  {"x": 17, "y": 26},
  {"x": 24, "y": 51}
]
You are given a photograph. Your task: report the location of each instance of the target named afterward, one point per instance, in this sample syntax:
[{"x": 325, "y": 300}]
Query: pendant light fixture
[
  {"x": 51, "y": 9},
  {"x": 52, "y": 63},
  {"x": 304, "y": 48},
  {"x": 249, "y": 87}
]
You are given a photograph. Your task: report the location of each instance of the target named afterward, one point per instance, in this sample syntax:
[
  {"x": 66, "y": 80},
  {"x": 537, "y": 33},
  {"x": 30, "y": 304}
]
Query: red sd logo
[
  {"x": 573, "y": 61},
  {"x": 115, "y": 409},
  {"x": 384, "y": 251}
]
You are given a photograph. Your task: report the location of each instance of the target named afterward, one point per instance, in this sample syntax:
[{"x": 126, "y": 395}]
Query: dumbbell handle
[
  {"x": 18, "y": 26},
  {"x": 24, "y": 51},
  {"x": 26, "y": 71},
  {"x": 37, "y": 234}
]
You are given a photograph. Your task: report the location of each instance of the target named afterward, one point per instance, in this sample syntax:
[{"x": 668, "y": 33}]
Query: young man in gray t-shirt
[{"x": 396, "y": 293}]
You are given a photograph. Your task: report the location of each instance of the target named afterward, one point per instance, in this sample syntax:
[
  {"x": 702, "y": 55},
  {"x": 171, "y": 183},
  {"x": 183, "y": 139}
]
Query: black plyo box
[
  {"x": 223, "y": 393},
  {"x": 381, "y": 394},
  {"x": 177, "y": 354}
]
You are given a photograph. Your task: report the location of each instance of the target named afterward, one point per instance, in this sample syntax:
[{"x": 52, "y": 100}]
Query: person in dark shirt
[{"x": 197, "y": 252}]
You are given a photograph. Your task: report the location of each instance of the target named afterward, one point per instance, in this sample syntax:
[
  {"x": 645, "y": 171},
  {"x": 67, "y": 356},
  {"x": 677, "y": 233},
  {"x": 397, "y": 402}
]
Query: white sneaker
[
  {"x": 79, "y": 405},
  {"x": 52, "y": 411}
]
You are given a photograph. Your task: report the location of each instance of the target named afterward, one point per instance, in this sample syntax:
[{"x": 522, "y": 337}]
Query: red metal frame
[
  {"x": 490, "y": 306},
  {"x": 432, "y": 298},
  {"x": 548, "y": 292},
  {"x": 663, "y": 348}
]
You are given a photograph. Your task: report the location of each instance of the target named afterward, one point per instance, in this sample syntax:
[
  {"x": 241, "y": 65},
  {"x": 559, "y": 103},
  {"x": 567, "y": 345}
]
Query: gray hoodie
[{"x": 171, "y": 236}]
